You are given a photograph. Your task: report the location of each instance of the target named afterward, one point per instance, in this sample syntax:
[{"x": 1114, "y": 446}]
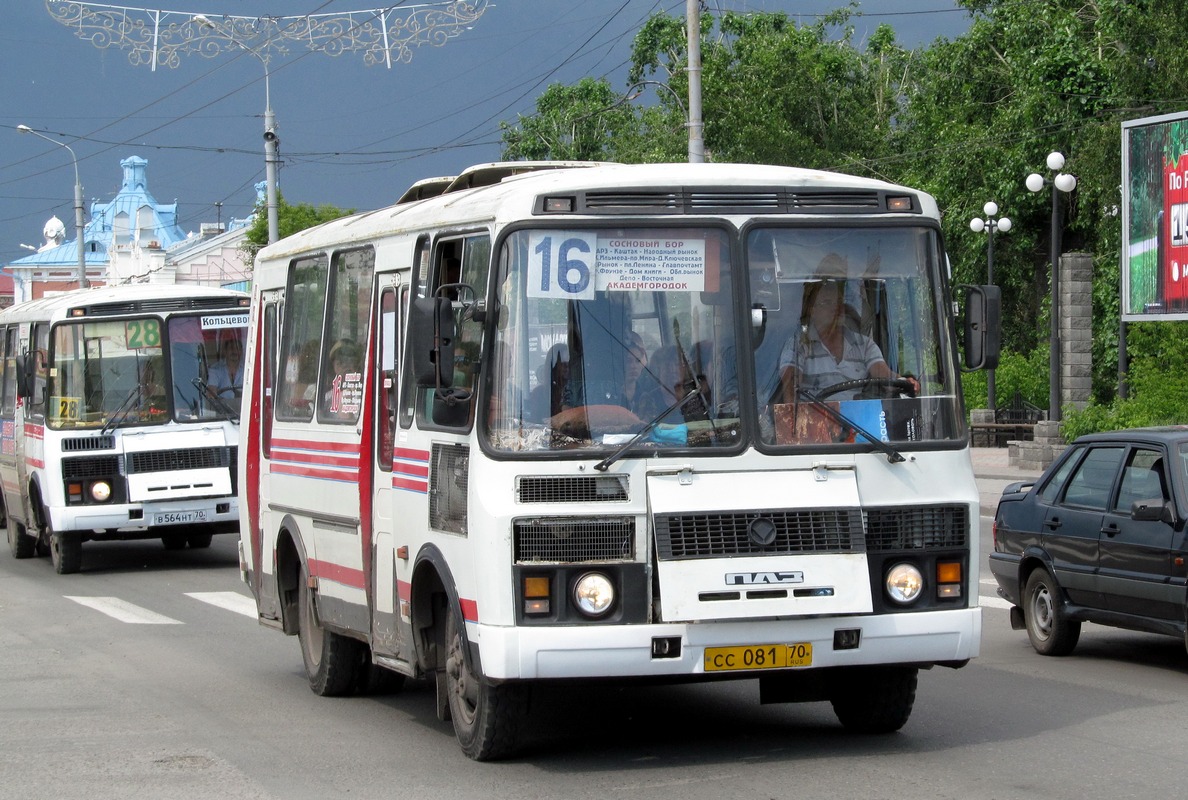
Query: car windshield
[{"x": 146, "y": 370}]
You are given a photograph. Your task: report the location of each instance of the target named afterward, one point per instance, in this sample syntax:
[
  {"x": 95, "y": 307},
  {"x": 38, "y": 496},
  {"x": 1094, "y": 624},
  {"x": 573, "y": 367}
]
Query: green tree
[{"x": 289, "y": 220}]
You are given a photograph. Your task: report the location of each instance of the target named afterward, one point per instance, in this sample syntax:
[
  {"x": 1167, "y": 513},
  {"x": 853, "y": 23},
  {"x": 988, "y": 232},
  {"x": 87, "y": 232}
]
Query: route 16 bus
[
  {"x": 530, "y": 426},
  {"x": 112, "y": 425}
]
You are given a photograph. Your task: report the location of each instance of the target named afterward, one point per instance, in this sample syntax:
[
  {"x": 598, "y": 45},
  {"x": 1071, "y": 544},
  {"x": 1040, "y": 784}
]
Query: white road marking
[
  {"x": 231, "y": 601},
  {"x": 124, "y": 611}
]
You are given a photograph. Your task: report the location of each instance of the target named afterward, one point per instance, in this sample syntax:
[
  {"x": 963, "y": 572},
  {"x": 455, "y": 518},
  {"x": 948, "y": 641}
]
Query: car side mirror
[
  {"x": 983, "y": 326},
  {"x": 1155, "y": 509}
]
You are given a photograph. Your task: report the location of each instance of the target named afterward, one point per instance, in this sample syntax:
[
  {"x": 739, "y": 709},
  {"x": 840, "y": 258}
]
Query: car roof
[{"x": 1168, "y": 434}]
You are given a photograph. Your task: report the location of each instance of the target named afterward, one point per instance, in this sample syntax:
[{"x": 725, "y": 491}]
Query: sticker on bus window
[
  {"x": 67, "y": 407},
  {"x": 141, "y": 333},
  {"x": 217, "y": 321},
  {"x": 573, "y": 265}
]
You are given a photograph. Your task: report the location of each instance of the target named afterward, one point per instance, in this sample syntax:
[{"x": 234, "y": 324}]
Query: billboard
[{"x": 1155, "y": 218}]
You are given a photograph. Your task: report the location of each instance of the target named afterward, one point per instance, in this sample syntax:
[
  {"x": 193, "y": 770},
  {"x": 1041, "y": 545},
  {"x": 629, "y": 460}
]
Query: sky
[{"x": 352, "y": 135}]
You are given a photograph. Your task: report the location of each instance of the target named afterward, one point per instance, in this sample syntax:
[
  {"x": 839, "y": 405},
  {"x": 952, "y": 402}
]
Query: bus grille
[
  {"x": 82, "y": 467},
  {"x": 571, "y": 489},
  {"x": 449, "y": 481},
  {"x": 916, "y": 527},
  {"x": 74, "y": 444},
  {"x": 570, "y": 540},
  {"x": 725, "y": 534},
  {"x": 751, "y": 201},
  {"x": 170, "y": 460}
]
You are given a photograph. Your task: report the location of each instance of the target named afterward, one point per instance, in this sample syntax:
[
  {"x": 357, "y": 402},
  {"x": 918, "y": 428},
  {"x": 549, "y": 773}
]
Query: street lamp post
[
  {"x": 1061, "y": 182},
  {"x": 271, "y": 140},
  {"x": 79, "y": 224},
  {"x": 991, "y": 223}
]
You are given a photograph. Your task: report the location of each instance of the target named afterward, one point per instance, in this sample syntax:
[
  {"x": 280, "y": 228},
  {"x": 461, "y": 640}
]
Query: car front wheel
[{"x": 1050, "y": 630}]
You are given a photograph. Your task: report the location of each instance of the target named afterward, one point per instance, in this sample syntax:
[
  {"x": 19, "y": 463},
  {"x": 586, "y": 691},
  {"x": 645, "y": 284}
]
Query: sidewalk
[{"x": 993, "y": 473}]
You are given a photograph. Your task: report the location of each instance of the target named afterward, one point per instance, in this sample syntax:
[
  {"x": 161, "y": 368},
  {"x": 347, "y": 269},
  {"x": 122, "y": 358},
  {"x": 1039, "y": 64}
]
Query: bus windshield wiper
[
  {"x": 604, "y": 464},
  {"x": 121, "y": 411},
  {"x": 892, "y": 454},
  {"x": 222, "y": 405}
]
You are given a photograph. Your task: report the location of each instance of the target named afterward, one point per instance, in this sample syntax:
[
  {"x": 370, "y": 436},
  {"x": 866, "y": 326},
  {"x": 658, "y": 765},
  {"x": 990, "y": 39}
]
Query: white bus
[
  {"x": 119, "y": 415},
  {"x": 541, "y": 426}
]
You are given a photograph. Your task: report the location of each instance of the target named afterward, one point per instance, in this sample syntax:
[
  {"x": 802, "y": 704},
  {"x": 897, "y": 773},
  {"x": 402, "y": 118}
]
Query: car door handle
[
  {"x": 1053, "y": 523},
  {"x": 1111, "y": 530}
]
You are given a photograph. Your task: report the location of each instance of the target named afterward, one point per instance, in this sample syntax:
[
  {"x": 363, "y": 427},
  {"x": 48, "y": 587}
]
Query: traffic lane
[{"x": 219, "y": 707}]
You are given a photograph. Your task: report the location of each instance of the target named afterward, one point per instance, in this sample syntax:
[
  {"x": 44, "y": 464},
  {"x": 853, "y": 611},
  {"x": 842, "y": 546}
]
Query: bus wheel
[
  {"x": 20, "y": 543},
  {"x": 332, "y": 661},
  {"x": 200, "y": 540},
  {"x": 874, "y": 699},
  {"x": 65, "y": 549},
  {"x": 487, "y": 717}
]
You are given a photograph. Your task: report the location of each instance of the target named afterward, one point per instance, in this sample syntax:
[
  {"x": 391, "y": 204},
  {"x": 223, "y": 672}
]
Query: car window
[
  {"x": 1091, "y": 484},
  {"x": 1143, "y": 478},
  {"x": 1052, "y": 488}
]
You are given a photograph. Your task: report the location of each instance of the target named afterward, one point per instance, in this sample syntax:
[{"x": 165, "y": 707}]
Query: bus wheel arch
[{"x": 287, "y": 573}]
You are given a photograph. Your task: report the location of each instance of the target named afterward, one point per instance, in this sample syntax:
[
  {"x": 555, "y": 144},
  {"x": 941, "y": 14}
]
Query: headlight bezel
[
  {"x": 904, "y": 583},
  {"x": 594, "y": 594}
]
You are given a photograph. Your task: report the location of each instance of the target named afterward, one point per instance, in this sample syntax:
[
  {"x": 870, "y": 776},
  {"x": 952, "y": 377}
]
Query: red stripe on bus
[
  {"x": 403, "y": 590},
  {"x": 34, "y": 431},
  {"x": 416, "y": 470},
  {"x": 469, "y": 609},
  {"x": 315, "y": 458},
  {"x": 35, "y": 462},
  {"x": 410, "y": 485},
  {"x": 279, "y": 468},
  {"x": 411, "y": 455},
  {"x": 323, "y": 447},
  {"x": 347, "y": 576}
]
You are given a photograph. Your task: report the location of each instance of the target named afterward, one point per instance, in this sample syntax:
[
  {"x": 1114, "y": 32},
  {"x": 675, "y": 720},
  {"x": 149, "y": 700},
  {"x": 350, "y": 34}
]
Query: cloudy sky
[{"x": 352, "y": 134}]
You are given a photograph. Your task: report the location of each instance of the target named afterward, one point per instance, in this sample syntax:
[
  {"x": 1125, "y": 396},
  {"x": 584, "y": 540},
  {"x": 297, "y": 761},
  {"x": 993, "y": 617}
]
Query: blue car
[{"x": 1099, "y": 537}]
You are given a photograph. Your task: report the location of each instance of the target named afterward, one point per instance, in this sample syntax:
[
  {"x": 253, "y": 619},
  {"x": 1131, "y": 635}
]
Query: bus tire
[
  {"x": 332, "y": 661},
  {"x": 20, "y": 543},
  {"x": 199, "y": 541},
  {"x": 65, "y": 550},
  {"x": 874, "y": 699},
  {"x": 487, "y": 717}
]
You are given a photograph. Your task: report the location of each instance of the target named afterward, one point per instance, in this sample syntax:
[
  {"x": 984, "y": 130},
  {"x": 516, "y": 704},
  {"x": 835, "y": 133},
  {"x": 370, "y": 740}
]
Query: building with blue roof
[{"x": 132, "y": 239}]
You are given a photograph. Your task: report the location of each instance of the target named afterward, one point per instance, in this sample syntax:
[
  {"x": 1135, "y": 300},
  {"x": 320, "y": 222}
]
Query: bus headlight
[
  {"x": 904, "y": 583},
  {"x": 100, "y": 491},
  {"x": 593, "y": 594}
]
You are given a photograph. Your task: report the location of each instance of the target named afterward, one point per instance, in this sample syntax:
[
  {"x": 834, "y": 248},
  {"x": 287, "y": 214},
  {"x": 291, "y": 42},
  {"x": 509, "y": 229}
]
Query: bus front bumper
[
  {"x": 157, "y": 517},
  {"x": 925, "y": 638}
]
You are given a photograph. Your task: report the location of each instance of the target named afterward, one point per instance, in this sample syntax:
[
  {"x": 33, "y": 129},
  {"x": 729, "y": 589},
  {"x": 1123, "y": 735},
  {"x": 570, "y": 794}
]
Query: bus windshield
[
  {"x": 605, "y": 335},
  {"x": 145, "y": 370}
]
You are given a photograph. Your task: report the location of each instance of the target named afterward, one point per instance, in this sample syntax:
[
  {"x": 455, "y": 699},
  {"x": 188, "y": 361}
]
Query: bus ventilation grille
[
  {"x": 916, "y": 527},
  {"x": 170, "y": 460},
  {"x": 758, "y": 533},
  {"x": 572, "y": 540},
  {"x": 163, "y": 304},
  {"x": 751, "y": 201},
  {"x": 77, "y": 444},
  {"x": 449, "y": 481},
  {"x": 571, "y": 488},
  {"x": 81, "y": 467}
]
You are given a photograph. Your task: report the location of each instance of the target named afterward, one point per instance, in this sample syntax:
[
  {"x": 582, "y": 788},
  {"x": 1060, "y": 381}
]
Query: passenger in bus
[
  {"x": 151, "y": 389},
  {"x": 547, "y": 397},
  {"x": 225, "y": 377},
  {"x": 826, "y": 350}
]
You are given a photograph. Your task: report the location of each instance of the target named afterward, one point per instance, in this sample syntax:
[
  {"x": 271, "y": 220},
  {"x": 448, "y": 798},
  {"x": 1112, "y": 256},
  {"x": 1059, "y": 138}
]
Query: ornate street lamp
[
  {"x": 1061, "y": 182},
  {"x": 79, "y": 225},
  {"x": 990, "y": 224}
]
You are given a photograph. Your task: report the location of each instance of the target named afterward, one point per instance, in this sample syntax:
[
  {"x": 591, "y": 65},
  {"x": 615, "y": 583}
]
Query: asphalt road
[{"x": 143, "y": 677}]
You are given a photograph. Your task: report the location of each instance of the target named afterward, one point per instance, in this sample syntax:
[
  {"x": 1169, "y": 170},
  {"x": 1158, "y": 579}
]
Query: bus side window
[
  {"x": 340, "y": 393},
  {"x": 408, "y": 388},
  {"x": 387, "y": 393},
  {"x": 8, "y": 389},
  {"x": 305, "y": 300},
  {"x": 40, "y": 365}
]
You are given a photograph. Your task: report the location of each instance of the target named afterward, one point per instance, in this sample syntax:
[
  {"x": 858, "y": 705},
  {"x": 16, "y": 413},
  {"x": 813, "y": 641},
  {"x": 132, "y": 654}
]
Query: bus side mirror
[
  {"x": 431, "y": 342},
  {"x": 983, "y": 326},
  {"x": 24, "y": 375}
]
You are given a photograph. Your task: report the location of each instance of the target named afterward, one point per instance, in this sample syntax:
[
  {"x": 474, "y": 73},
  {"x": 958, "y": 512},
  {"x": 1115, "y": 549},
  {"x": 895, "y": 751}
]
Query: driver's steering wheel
[{"x": 871, "y": 387}]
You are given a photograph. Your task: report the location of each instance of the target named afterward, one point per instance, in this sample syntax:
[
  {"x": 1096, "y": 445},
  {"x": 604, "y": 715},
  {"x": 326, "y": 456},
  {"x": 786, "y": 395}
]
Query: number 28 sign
[{"x": 573, "y": 265}]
